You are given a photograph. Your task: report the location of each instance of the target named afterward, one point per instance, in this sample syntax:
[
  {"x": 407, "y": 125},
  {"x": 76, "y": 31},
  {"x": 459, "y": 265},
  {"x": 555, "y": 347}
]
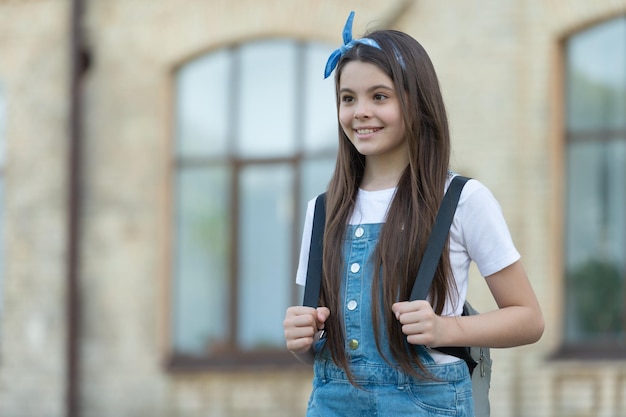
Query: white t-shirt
[{"x": 478, "y": 233}]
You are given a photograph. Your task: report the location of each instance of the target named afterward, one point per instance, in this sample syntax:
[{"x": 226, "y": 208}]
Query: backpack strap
[
  {"x": 437, "y": 240},
  {"x": 314, "y": 268},
  {"x": 432, "y": 255}
]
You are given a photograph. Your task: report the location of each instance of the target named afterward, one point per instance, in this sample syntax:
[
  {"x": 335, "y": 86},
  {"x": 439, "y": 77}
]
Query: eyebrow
[{"x": 372, "y": 88}]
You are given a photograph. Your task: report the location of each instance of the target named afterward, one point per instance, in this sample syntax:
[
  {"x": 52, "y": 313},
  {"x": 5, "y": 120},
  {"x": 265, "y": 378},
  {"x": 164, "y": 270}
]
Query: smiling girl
[{"x": 377, "y": 355}]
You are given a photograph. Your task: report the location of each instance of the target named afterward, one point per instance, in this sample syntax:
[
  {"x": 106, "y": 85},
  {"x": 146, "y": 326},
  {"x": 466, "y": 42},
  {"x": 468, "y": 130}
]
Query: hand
[
  {"x": 419, "y": 322},
  {"x": 301, "y": 324}
]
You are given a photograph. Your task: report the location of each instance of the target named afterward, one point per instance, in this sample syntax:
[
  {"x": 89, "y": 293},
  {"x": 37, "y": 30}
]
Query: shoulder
[
  {"x": 475, "y": 195},
  {"x": 479, "y": 227}
]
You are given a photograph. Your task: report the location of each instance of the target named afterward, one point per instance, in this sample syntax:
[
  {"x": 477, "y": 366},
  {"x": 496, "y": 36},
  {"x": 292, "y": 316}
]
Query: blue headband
[{"x": 348, "y": 43}]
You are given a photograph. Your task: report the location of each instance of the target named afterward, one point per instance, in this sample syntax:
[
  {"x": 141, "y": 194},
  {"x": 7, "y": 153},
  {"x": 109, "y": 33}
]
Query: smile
[{"x": 366, "y": 131}]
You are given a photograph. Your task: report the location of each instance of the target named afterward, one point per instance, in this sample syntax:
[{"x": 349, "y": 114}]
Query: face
[{"x": 369, "y": 112}]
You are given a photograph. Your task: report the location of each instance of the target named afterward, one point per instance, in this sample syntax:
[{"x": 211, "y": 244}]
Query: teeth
[{"x": 365, "y": 131}]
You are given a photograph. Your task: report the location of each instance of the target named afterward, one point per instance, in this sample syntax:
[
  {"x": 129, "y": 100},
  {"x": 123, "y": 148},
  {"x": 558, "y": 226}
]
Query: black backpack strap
[
  {"x": 314, "y": 267},
  {"x": 432, "y": 255},
  {"x": 438, "y": 237}
]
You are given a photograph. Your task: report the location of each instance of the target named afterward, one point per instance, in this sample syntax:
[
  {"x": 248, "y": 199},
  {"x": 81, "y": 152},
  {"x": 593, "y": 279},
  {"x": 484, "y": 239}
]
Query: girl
[{"x": 377, "y": 354}]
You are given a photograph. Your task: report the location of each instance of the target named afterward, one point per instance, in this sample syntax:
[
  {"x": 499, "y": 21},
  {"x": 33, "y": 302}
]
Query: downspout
[{"x": 79, "y": 63}]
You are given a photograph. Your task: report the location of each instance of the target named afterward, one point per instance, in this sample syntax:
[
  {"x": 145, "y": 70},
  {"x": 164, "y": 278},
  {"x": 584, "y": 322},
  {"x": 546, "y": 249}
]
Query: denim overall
[{"x": 384, "y": 390}]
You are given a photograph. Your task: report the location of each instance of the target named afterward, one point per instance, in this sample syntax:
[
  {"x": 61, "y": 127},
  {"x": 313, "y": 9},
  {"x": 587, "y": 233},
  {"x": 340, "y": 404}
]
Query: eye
[
  {"x": 347, "y": 98},
  {"x": 380, "y": 97}
]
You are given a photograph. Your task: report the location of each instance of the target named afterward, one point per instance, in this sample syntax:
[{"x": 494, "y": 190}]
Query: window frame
[
  {"x": 237, "y": 164},
  {"x": 584, "y": 350}
]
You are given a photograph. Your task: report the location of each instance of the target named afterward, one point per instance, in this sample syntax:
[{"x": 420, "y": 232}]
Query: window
[
  {"x": 255, "y": 139},
  {"x": 595, "y": 251}
]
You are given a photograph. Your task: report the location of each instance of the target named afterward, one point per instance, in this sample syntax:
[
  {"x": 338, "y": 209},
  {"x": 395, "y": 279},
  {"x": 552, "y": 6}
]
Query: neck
[{"x": 380, "y": 176}]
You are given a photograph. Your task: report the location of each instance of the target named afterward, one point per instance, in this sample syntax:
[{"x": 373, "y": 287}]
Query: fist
[{"x": 301, "y": 324}]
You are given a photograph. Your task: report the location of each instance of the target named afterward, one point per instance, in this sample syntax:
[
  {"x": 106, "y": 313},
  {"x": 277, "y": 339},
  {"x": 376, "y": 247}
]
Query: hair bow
[{"x": 348, "y": 43}]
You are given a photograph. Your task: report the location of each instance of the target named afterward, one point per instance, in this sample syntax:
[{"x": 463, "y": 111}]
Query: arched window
[
  {"x": 255, "y": 138},
  {"x": 595, "y": 250}
]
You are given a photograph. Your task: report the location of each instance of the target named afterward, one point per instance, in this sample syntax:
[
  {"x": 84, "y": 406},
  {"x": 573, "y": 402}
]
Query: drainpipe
[{"x": 79, "y": 64}]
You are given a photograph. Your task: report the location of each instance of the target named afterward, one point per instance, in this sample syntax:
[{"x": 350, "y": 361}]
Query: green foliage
[{"x": 598, "y": 295}]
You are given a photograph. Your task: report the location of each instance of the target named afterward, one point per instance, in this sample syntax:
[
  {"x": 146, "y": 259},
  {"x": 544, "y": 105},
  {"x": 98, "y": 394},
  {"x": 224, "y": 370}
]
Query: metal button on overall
[
  {"x": 359, "y": 232},
  {"x": 353, "y": 344},
  {"x": 354, "y": 268},
  {"x": 352, "y": 305}
]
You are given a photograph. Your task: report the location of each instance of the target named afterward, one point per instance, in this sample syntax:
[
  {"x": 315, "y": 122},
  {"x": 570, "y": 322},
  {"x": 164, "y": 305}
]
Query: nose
[{"x": 362, "y": 111}]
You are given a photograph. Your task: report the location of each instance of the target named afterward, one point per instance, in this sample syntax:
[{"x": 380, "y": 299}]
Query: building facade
[{"x": 156, "y": 158}]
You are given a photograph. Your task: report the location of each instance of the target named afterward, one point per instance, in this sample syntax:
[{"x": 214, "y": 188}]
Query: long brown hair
[{"x": 414, "y": 206}]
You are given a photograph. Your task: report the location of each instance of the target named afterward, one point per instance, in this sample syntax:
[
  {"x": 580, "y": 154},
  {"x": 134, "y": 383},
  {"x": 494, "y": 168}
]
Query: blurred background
[{"x": 156, "y": 158}]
